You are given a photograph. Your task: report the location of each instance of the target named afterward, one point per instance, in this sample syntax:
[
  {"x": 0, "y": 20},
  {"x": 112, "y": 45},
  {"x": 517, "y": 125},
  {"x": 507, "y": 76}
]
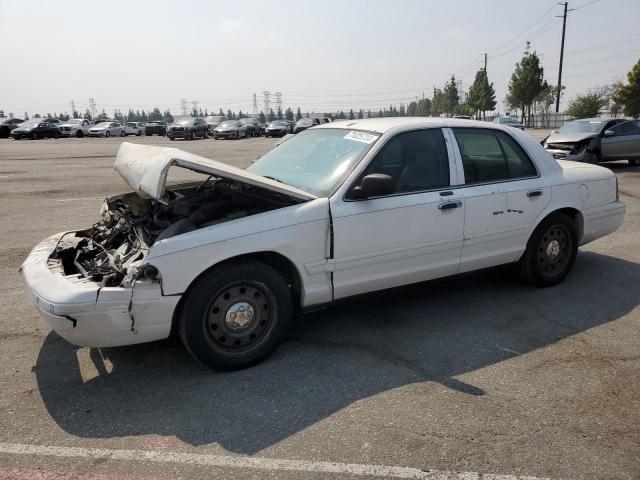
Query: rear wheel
[
  {"x": 123, "y": 133},
  {"x": 236, "y": 315},
  {"x": 56, "y": 135},
  {"x": 34, "y": 136},
  {"x": 79, "y": 134},
  {"x": 551, "y": 251},
  {"x": 107, "y": 134},
  {"x": 139, "y": 133},
  {"x": 192, "y": 135}
]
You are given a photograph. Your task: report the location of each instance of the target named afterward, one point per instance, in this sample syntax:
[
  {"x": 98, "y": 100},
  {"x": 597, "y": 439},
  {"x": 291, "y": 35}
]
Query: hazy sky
[{"x": 322, "y": 55}]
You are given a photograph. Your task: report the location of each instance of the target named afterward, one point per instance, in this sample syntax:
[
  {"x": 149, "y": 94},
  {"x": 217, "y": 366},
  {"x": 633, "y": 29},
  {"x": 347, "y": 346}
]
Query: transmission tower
[
  {"x": 267, "y": 101},
  {"x": 255, "y": 106},
  {"x": 92, "y": 107},
  {"x": 73, "y": 108},
  {"x": 183, "y": 105},
  {"x": 278, "y": 102}
]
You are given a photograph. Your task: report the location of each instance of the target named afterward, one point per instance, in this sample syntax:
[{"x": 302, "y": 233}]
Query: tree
[
  {"x": 26, "y": 115},
  {"x": 298, "y": 114},
  {"x": 360, "y": 114},
  {"x": 451, "y": 96},
  {"x": 438, "y": 104},
  {"x": 586, "y": 105},
  {"x": 423, "y": 108},
  {"x": 271, "y": 116},
  {"x": 411, "y": 109},
  {"x": 341, "y": 115},
  {"x": 288, "y": 114},
  {"x": 526, "y": 83},
  {"x": 351, "y": 115},
  {"x": 402, "y": 112},
  {"x": 168, "y": 117},
  {"x": 262, "y": 118},
  {"x": 482, "y": 95},
  {"x": 629, "y": 95},
  {"x": 37, "y": 115},
  {"x": 240, "y": 114},
  {"x": 279, "y": 113}
]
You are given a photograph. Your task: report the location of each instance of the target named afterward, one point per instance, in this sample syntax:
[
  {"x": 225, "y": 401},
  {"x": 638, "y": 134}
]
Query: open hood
[{"x": 145, "y": 169}]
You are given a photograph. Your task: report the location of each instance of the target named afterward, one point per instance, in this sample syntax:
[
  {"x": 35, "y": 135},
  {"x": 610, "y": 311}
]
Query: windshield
[
  {"x": 30, "y": 123},
  {"x": 277, "y": 123},
  {"x": 305, "y": 122},
  {"x": 183, "y": 121},
  {"x": 229, "y": 124},
  {"x": 582, "y": 126},
  {"x": 315, "y": 160},
  {"x": 509, "y": 120},
  {"x": 104, "y": 124},
  {"x": 74, "y": 121}
]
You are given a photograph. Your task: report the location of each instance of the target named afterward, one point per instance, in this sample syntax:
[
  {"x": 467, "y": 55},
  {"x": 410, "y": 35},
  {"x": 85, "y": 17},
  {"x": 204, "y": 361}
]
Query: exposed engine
[{"x": 113, "y": 251}]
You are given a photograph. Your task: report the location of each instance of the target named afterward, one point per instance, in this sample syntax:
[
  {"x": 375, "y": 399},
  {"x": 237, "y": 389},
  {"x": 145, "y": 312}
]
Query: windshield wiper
[{"x": 273, "y": 178}]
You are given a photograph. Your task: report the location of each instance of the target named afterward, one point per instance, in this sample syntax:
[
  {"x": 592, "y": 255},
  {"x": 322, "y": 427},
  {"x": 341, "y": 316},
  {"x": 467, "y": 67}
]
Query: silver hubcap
[
  {"x": 553, "y": 248},
  {"x": 239, "y": 316}
]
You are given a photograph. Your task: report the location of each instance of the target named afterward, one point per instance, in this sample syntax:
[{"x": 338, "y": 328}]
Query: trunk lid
[{"x": 145, "y": 168}]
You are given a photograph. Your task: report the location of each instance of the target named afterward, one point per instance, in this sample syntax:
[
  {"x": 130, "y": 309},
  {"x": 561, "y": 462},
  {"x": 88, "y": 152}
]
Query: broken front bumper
[{"x": 86, "y": 314}]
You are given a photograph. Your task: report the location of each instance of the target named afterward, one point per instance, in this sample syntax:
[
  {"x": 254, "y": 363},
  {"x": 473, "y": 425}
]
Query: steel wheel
[
  {"x": 553, "y": 251},
  {"x": 239, "y": 318}
]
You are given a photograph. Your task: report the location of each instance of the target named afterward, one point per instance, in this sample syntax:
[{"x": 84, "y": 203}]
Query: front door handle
[
  {"x": 534, "y": 193},
  {"x": 450, "y": 205}
]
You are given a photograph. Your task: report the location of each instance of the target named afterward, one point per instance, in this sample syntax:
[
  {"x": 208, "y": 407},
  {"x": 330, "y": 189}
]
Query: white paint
[{"x": 255, "y": 463}]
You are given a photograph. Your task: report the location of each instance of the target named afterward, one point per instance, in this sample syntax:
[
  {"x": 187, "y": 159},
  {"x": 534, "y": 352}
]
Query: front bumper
[
  {"x": 227, "y": 134},
  {"x": 86, "y": 314},
  {"x": 97, "y": 134},
  {"x": 559, "y": 154}
]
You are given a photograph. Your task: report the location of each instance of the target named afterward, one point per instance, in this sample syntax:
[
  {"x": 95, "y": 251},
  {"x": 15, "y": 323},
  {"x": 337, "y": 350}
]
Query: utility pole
[
  {"x": 485, "y": 63},
  {"x": 255, "y": 106},
  {"x": 92, "y": 106},
  {"x": 73, "y": 108},
  {"x": 564, "y": 26}
]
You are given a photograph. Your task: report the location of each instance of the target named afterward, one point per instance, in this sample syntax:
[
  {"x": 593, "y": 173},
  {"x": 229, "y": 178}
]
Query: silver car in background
[
  {"x": 509, "y": 122},
  {"x": 107, "y": 129},
  {"x": 593, "y": 140}
]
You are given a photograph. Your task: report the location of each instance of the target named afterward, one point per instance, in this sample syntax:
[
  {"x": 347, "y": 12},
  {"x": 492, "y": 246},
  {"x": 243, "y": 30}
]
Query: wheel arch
[
  {"x": 279, "y": 262},
  {"x": 571, "y": 212}
]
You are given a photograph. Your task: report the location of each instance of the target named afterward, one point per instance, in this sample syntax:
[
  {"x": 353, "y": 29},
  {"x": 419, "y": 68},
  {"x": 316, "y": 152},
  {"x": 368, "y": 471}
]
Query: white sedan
[
  {"x": 339, "y": 210},
  {"x": 134, "y": 128},
  {"x": 107, "y": 129}
]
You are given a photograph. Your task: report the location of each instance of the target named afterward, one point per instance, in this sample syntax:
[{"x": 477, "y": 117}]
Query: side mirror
[
  {"x": 609, "y": 133},
  {"x": 374, "y": 185}
]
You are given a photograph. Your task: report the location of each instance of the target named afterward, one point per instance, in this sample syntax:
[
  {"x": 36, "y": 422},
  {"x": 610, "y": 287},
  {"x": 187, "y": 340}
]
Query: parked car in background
[
  {"x": 213, "y": 121},
  {"x": 290, "y": 125},
  {"x": 75, "y": 127},
  {"x": 594, "y": 140},
  {"x": 8, "y": 124},
  {"x": 228, "y": 261},
  {"x": 325, "y": 120},
  {"x": 230, "y": 129},
  {"x": 155, "y": 128},
  {"x": 188, "y": 128},
  {"x": 134, "y": 128},
  {"x": 305, "y": 123},
  {"x": 35, "y": 129},
  {"x": 462, "y": 117},
  {"x": 277, "y": 128},
  {"x": 107, "y": 129},
  {"x": 509, "y": 122},
  {"x": 252, "y": 125}
]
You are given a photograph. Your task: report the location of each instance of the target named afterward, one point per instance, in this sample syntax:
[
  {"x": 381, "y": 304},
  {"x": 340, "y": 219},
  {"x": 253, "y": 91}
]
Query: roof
[{"x": 384, "y": 124}]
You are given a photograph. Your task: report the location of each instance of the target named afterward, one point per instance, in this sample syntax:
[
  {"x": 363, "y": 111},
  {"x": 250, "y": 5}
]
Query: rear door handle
[
  {"x": 450, "y": 205},
  {"x": 534, "y": 193}
]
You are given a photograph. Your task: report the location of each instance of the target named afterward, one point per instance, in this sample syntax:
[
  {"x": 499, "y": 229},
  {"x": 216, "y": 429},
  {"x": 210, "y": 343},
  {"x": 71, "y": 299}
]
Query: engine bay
[{"x": 113, "y": 251}]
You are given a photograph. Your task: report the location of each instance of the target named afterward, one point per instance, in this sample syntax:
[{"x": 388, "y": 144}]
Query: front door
[
  {"x": 624, "y": 144},
  {"x": 412, "y": 235}
]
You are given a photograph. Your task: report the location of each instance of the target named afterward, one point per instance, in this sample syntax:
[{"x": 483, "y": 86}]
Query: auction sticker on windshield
[{"x": 363, "y": 137}]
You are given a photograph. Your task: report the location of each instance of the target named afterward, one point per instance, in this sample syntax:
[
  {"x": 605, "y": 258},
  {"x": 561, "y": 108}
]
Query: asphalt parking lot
[{"x": 476, "y": 374}]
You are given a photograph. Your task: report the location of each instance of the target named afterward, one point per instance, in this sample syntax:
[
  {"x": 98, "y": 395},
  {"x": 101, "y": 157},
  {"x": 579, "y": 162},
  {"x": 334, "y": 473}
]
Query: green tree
[
  {"x": 438, "y": 106},
  {"x": 240, "y": 114},
  {"x": 586, "y": 105},
  {"x": 482, "y": 95},
  {"x": 451, "y": 96},
  {"x": 360, "y": 114},
  {"x": 341, "y": 115},
  {"x": 288, "y": 114},
  {"x": 262, "y": 118},
  {"x": 271, "y": 116},
  {"x": 527, "y": 81},
  {"x": 423, "y": 108},
  {"x": 298, "y": 114},
  {"x": 168, "y": 117},
  {"x": 279, "y": 113},
  {"x": 411, "y": 109},
  {"x": 629, "y": 95},
  {"x": 402, "y": 112},
  {"x": 351, "y": 115}
]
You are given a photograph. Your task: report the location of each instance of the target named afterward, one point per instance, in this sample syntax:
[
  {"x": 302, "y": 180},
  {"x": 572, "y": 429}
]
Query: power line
[
  {"x": 523, "y": 32},
  {"x": 585, "y": 5}
]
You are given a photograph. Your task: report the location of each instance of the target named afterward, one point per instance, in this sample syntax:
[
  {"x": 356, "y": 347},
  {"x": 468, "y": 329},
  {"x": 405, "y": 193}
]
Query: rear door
[
  {"x": 409, "y": 236},
  {"x": 503, "y": 194}
]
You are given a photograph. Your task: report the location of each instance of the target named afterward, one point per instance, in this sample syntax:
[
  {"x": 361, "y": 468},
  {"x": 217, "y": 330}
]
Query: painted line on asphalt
[{"x": 256, "y": 463}]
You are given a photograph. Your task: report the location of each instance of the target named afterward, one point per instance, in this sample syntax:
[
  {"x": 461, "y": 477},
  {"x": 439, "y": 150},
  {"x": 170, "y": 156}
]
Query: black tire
[
  {"x": 207, "y": 323},
  {"x": 107, "y": 134},
  {"x": 171, "y": 138},
  {"x": 56, "y": 135},
  {"x": 592, "y": 157},
  {"x": 34, "y": 136},
  {"x": 139, "y": 134},
  {"x": 551, "y": 251},
  {"x": 79, "y": 134},
  {"x": 634, "y": 162},
  {"x": 123, "y": 133}
]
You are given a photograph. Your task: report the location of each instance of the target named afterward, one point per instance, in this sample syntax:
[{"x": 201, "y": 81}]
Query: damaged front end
[{"x": 113, "y": 252}]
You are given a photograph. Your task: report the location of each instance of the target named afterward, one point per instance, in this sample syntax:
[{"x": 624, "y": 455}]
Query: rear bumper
[
  {"x": 602, "y": 220},
  {"x": 86, "y": 314}
]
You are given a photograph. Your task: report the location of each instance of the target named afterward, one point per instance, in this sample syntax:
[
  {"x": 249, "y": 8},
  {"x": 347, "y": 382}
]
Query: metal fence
[{"x": 551, "y": 120}]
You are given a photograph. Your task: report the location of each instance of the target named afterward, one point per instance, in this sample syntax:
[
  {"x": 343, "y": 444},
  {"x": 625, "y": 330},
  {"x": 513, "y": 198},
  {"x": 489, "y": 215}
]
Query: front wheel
[
  {"x": 551, "y": 251},
  {"x": 56, "y": 135},
  {"x": 79, "y": 134},
  {"x": 592, "y": 157},
  {"x": 123, "y": 133},
  {"x": 34, "y": 136},
  {"x": 108, "y": 134},
  {"x": 139, "y": 134},
  {"x": 234, "y": 316}
]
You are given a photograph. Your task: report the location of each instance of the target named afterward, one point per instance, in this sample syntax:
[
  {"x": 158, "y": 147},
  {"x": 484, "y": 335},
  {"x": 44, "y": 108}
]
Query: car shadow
[{"x": 431, "y": 332}]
